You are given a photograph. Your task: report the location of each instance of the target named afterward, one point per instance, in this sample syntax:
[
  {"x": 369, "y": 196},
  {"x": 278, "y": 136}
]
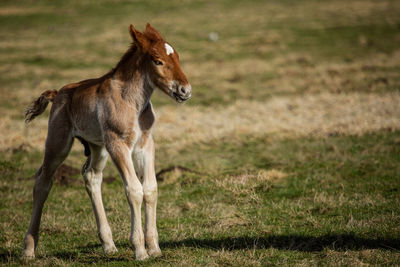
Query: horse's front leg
[
  {"x": 144, "y": 159},
  {"x": 93, "y": 177},
  {"x": 121, "y": 155}
]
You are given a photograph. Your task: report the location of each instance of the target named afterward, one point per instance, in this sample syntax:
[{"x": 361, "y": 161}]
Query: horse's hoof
[
  {"x": 155, "y": 252},
  {"x": 28, "y": 255},
  {"x": 110, "y": 250},
  {"x": 141, "y": 255}
]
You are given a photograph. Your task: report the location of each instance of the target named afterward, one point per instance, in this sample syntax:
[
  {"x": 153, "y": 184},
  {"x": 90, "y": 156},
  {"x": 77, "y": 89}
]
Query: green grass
[
  {"x": 288, "y": 198},
  {"x": 341, "y": 194}
]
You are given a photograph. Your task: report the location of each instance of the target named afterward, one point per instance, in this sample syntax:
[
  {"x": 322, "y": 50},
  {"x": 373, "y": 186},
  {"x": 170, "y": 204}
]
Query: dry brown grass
[
  {"x": 250, "y": 180},
  {"x": 317, "y": 114},
  {"x": 18, "y": 10}
]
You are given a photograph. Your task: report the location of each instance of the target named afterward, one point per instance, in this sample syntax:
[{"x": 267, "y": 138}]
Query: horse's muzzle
[{"x": 183, "y": 93}]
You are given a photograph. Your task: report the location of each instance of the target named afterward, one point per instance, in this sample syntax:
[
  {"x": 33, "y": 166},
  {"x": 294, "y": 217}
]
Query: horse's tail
[{"x": 39, "y": 105}]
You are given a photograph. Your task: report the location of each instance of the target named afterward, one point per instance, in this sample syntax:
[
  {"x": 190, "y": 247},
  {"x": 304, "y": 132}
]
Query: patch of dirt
[
  {"x": 177, "y": 169},
  {"x": 109, "y": 179},
  {"x": 66, "y": 175}
]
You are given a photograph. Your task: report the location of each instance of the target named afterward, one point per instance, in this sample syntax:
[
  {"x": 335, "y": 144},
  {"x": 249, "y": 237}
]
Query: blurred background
[{"x": 287, "y": 153}]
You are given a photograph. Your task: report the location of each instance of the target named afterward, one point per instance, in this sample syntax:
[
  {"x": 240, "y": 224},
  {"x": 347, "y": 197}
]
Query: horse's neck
[{"x": 134, "y": 83}]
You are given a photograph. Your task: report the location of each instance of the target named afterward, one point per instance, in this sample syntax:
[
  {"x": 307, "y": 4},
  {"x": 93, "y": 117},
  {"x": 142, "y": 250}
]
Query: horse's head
[{"x": 161, "y": 63}]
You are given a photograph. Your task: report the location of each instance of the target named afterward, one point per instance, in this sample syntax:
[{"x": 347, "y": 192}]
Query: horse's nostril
[{"x": 182, "y": 90}]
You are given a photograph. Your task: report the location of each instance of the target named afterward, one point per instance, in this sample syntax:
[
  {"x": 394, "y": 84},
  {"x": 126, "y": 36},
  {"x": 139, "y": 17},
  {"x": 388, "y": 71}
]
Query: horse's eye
[{"x": 157, "y": 62}]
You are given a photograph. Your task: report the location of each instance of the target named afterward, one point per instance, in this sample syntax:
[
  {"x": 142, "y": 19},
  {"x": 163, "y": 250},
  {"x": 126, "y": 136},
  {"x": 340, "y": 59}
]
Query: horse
[{"x": 111, "y": 115}]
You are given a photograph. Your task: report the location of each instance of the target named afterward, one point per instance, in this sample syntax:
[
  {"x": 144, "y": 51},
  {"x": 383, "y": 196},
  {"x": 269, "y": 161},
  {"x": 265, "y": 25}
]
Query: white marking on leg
[{"x": 169, "y": 49}]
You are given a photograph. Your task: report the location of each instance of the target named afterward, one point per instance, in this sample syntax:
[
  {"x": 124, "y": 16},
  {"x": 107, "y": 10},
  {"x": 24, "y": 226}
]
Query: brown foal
[{"x": 111, "y": 115}]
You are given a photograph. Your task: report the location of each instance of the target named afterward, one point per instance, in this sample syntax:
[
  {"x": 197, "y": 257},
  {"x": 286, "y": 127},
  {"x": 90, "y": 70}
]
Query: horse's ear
[
  {"x": 137, "y": 37},
  {"x": 152, "y": 33}
]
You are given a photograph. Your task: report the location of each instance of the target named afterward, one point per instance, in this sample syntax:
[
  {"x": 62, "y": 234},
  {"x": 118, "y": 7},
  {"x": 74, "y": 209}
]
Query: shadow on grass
[
  {"x": 88, "y": 255},
  {"x": 289, "y": 242}
]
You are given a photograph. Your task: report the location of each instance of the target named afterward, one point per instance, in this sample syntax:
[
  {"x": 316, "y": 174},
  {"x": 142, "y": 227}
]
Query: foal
[{"x": 111, "y": 115}]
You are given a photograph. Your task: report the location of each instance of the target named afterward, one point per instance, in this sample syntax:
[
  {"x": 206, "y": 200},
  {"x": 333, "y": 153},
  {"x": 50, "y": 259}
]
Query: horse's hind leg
[
  {"x": 58, "y": 144},
  {"x": 92, "y": 174}
]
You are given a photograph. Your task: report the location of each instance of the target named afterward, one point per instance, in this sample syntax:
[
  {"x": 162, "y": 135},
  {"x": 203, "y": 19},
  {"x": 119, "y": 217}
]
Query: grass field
[{"x": 292, "y": 133}]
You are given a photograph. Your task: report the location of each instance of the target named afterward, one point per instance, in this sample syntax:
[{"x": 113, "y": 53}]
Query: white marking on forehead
[{"x": 169, "y": 49}]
